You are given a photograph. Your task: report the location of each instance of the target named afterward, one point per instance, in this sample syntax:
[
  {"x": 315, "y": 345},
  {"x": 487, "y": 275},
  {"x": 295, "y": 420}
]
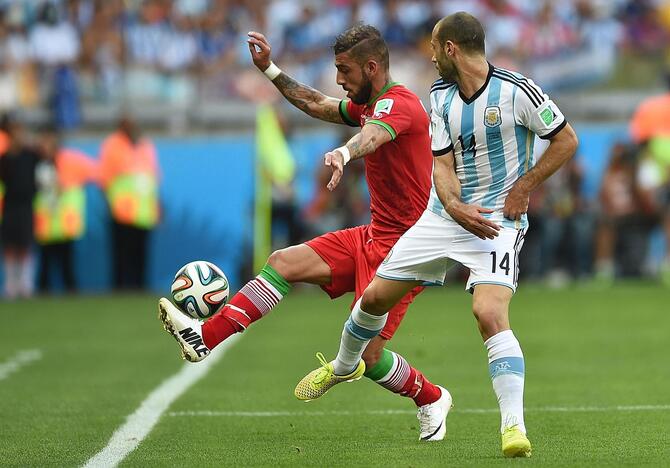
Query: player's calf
[{"x": 251, "y": 303}]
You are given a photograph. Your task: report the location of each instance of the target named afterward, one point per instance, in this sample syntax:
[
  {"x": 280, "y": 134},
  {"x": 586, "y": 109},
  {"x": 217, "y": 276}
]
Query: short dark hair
[
  {"x": 363, "y": 41},
  {"x": 464, "y": 30}
]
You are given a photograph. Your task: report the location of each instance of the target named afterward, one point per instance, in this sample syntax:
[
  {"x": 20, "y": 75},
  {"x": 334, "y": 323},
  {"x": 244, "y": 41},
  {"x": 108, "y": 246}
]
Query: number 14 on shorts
[{"x": 503, "y": 265}]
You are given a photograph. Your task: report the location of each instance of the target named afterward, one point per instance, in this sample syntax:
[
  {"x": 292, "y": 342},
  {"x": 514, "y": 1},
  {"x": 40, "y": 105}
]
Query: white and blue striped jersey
[{"x": 492, "y": 136}]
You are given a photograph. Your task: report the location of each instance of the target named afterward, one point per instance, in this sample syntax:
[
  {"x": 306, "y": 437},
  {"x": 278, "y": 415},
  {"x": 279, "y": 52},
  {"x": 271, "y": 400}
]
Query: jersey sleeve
[
  {"x": 440, "y": 140},
  {"x": 350, "y": 113},
  {"x": 395, "y": 113},
  {"x": 534, "y": 110}
]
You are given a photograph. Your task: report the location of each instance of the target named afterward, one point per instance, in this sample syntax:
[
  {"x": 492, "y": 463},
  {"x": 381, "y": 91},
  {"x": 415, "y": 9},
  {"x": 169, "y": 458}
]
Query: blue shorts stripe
[{"x": 507, "y": 365}]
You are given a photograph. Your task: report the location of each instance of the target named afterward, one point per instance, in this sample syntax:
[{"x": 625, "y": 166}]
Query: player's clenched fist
[{"x": 260, "y": 49}]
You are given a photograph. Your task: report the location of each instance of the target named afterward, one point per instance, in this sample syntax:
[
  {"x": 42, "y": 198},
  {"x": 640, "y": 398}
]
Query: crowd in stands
[{"x": 62, "y": 52}]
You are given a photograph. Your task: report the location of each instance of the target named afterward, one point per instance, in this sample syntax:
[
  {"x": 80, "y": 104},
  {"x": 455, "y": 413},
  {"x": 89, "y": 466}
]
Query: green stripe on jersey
[
  {"x": 275, "y": 279},
  {"x": 385, "y": 125},
  {"x": 345, "y": 113}
]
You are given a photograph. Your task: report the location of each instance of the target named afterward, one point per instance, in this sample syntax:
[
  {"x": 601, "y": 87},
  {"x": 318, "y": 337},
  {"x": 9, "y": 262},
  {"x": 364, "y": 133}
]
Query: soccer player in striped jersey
[
  {"x": 395, "y": 142},
  {"x": 483, "y": 121}
]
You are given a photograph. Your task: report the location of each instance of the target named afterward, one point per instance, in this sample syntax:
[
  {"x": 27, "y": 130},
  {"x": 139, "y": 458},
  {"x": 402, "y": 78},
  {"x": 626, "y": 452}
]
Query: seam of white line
[
  {"x": 139, "y": 424},
  {"x": 20, "y": 359},
  {"x": 545, "y": 409}
]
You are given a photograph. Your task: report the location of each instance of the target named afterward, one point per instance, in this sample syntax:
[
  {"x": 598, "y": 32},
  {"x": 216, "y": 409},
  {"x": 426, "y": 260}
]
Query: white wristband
[
  {"x": 345, "y": 153},
  {"x": 272, "y": 71}
]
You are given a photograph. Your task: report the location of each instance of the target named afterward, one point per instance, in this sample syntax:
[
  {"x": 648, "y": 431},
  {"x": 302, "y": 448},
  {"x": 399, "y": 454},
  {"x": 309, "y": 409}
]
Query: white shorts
[{"x": 428, "y": 249}]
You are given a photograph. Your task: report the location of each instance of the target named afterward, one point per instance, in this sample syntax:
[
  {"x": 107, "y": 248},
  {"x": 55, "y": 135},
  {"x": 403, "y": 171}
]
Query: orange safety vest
[
  {"x": 4, "y": 146},
  {"x": 651, "y": 119},
  {"x": 61, "y": 217},
  {"x": 129, "y": 174}
]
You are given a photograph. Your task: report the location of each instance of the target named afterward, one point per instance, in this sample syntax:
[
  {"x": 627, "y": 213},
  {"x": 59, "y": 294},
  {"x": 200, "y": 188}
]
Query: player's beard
[
  {"x": 447, "y": 71},
  {"x": 363, "y": 95}
]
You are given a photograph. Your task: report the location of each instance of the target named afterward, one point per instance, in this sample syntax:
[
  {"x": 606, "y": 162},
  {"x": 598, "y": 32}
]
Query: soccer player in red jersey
[{"x": 395, "y": 142}]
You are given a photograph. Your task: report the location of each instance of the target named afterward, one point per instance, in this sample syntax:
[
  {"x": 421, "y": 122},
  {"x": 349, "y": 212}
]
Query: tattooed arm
[{"x": 307, "y": 99}]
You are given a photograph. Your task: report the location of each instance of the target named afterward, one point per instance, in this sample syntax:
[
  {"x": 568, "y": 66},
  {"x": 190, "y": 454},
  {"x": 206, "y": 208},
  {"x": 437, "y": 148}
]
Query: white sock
[
  {"x": 357, "y": 333},
  {"x": 26, "y": 276},
  {"x": 11, "y": 278},
  {"x": 507, "y": 369}
]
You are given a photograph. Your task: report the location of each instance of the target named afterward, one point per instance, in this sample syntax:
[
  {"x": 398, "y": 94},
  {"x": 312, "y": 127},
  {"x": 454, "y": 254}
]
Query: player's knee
[
  {"x": 486, "y": 312},
  {"x": 374, "y": 302},
  {"x": 281, "y": 262}
]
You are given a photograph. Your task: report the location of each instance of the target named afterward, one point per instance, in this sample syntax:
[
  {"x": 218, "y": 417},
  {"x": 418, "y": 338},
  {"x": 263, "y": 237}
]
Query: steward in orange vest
[
  {"x": 60, "y": 206},
  {"x": 129, "y": 176},
  {"x": 4, "y": 146}
]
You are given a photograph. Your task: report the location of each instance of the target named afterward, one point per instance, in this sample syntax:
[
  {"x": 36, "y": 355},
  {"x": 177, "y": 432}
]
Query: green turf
[{"x": 103, "y": 355}]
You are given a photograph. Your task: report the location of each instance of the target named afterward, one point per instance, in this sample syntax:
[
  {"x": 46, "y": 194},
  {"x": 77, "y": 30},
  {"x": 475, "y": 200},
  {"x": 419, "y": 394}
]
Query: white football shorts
[{"x": 429, "y": 249}]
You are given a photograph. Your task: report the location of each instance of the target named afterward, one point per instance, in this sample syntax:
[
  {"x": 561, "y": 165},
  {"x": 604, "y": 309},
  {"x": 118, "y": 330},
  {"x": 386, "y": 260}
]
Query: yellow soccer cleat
[
  {"x": 319, "y": 381},
  {"x": 515, "y": 443}
]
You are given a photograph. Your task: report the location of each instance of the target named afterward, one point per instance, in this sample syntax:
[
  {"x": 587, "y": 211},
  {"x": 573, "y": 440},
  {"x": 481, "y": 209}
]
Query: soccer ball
[{"x": 200, "y": 289}]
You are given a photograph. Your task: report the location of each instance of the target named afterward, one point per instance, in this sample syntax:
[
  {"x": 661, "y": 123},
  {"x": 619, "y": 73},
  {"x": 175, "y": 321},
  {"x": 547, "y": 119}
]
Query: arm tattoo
[
  {"x": 367, "y": 141},
  {"x": 308, "y": 99}
]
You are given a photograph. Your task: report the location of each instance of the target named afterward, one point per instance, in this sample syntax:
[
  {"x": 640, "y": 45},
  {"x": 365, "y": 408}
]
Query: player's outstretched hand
[
  {"x": 470, "y": 217},
  {"x": 335, "y": 160},
  {"x": 260, "y": 49},
  {"x": 516, "y": 203}
]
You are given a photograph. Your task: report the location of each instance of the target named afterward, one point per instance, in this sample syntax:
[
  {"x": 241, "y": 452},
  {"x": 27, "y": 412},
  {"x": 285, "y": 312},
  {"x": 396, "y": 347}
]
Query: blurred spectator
[
  {"x": 505, "y": 25},
  {"x": 55, "y": 46},
  {"x": 285, "y": 211},
  {"x": 560, "y": 244},
  {"x": 547, "y": 35},
  {"x": 60, "y": 207},
  {"x": 623, "y": 231},
  {"x": 129, "y": 174},
  {"x": 650, "y": 129},
  {"x": 348, "y": 206},
  {"x": 103, "y": 51},
  {"x": 149, "y": 49},
  {"x": 643, "y": 25},
  {"x": 18, "y": 85},
  {"x": 17, "y": 173},
  {"x": 652, "y": 117}
]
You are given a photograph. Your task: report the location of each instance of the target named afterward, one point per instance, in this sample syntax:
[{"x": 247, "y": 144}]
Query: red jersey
[{"x": 399, "y": 172}]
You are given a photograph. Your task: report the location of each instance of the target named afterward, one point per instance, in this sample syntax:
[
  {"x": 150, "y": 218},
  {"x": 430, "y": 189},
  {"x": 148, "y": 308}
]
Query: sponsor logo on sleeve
[
  {"x": 492, "y": 117},
  {"x": 382, "y": 107},
  {"x": 548, "y": 116}
]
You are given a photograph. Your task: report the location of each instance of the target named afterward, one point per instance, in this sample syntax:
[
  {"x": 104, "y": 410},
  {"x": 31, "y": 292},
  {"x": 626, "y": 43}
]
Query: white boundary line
[
  {"x": 138, "y": 425},
  {"x": 545, "y": 409},
  {"x": 19, "y": 360}
]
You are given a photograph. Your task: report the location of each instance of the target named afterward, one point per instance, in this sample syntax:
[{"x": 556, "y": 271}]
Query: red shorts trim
[{"x": 353, "y": 257}]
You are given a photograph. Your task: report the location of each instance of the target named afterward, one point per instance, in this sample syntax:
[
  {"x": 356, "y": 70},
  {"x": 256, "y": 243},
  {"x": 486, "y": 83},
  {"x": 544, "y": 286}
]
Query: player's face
[
  {"x": 444, "y": 65},
  {"x": 353, "y": 79}
]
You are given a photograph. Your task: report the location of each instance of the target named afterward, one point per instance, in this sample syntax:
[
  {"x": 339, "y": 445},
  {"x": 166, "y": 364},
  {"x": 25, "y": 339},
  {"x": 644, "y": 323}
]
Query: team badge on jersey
[
  {"x": 383, "y": 106},
  {"x": 492, "y": 117}
]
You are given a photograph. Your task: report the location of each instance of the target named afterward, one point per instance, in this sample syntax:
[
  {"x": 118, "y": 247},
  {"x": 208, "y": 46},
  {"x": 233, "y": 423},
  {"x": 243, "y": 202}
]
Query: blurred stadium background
[{"x": 180, "y": 70}]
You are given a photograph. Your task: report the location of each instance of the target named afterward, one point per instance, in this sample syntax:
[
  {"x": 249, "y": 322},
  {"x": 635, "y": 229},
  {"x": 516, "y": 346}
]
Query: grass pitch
[{"x": 597, "y": 384}]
